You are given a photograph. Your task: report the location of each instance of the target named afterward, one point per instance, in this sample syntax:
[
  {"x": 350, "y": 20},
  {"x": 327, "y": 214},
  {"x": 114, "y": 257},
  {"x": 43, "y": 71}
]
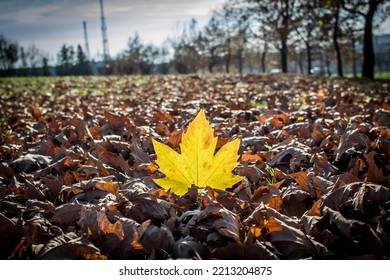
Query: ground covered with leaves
[{"x": 77, "y": 168}]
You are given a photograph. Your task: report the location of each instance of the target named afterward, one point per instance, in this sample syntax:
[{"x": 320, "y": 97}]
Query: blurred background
[{"x": 101, "y": 37}]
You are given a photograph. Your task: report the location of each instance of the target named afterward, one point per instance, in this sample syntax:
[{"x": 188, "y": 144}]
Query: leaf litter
[{"x": 79, "y": 173}]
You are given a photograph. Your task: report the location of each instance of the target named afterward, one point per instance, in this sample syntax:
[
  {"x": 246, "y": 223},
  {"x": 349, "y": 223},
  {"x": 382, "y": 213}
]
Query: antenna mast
[
  {"x": 106, "y": 53},
  {"x": 86, "y": 40}
]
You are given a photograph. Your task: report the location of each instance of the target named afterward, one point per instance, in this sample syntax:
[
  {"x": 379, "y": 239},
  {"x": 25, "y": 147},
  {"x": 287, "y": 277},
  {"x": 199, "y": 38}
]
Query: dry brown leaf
[
  {"x": 301, "y": 179},
  {"x": 315, "y": 210},
  {"x": 67, "y": 213}
]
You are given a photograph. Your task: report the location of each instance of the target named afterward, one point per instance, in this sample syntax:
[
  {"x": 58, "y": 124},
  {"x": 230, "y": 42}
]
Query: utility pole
[
  {"x": 106, "y": 53},
  {"x": 86, "y": 40}
]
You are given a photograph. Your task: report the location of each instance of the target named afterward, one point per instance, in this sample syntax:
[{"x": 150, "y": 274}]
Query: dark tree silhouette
[
  {"x": 9, "y": 53},
  {"x": 336, "y": 31},
  {"x": 367, "y": 10}
]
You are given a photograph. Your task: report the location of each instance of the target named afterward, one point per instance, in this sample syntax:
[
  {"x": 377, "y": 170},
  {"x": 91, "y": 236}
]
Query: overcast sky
[{"x": 50, "y": 24}]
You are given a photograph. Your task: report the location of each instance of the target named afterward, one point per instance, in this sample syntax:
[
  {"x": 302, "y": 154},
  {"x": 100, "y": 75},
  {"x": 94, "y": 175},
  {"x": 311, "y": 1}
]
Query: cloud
[
  {"x": 52, "y": 23},
  {"x": 53, "y": 13},
  {"x": 62, "y": 12},
  {"x": 31, "y": 15}
]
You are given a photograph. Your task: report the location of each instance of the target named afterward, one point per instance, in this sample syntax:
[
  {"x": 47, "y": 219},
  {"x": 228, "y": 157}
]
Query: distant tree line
[
  {"x": 72, "y": 61},
  {"x": 243, "y": 35},
  {"x": 18, "y": 61},
  {"x": 28, "y": 59}
]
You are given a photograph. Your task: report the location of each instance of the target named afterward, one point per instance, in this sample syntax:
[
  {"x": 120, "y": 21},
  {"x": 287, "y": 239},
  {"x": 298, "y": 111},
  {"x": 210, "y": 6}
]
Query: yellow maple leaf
[{"x": 197, "y": 164}]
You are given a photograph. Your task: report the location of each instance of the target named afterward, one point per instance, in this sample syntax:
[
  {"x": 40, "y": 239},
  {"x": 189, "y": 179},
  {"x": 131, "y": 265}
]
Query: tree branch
[{"x": 352, "y": 10}]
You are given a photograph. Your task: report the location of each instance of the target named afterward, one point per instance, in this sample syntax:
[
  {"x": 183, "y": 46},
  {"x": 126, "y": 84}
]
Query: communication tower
[
  {"x": 86, "y": 40},
  {"x": 106, "y": 53}
]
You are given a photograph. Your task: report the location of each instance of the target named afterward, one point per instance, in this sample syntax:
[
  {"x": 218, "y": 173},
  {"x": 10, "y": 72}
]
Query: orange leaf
[
  {"x": 300, "y": 178},
  {"x": 278, "y": 184},
  {"x": 261, "y": 119},
  {"x": 247, "y": 156},
  {"x": 259, "y": 192},
  {"x": 151, "y": 168},
  {"x": 275, "y": 202},
  {"x": 36, "y": 112},
  {"x": 111, "y": 187},
  {"x": 315, "y": 210},
  {"x": 175, "y": 138},
  {"x": 273, "y": 225},
  {"x": 68, "y": 179},
  {"x": 94, "y": 257},
  {"x": 162, "y": 129},
  {"x": 256, "y": 231}
]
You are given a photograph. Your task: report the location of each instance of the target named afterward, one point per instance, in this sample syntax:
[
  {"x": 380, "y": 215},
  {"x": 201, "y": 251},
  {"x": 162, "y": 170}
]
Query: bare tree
[
  {"x": 279, "y": 14},
  {"x": 212, "y": 40},
  {"x": 33, "y": 56},
  {"x": 336, "y": 10},
  {"x": 227, "y": 20},
  {"x": 367, "y": 9},
  {"x": 9, "y": 53},
  {"x": 265, "y": 35},
  {"x": 65, "y": 59},
  {"x": 241, "y": 37},
  {"x": 352, "y": 32},
  {"x": 149, "y": 56},
  {"x": 187, "y": 57},
  {"x": 307, "y": 24}
]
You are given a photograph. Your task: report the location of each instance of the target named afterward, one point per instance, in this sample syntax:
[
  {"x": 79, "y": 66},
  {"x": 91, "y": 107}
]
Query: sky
[{"x": 50, "y": 24}]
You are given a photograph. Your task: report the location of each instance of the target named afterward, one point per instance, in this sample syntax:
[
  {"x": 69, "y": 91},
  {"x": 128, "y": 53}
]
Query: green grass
[
  {"x": 379, "y": 75},
  {"x": 56, "y": 86},
  {"x": 18, "y": 85},
  {"x": 272, "y": 177},
  {"x": 259, "y": 104},
  {"x": 382, "y": 75},
  {"x": 84, "y": 85}
]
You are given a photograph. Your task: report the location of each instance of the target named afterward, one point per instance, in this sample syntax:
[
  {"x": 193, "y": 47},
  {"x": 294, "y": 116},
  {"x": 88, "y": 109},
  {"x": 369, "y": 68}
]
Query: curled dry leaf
[
  {"x": 118, "y": 240},
  {"x": 70, "y": 247},
  {"x": 67, "y": 213}
]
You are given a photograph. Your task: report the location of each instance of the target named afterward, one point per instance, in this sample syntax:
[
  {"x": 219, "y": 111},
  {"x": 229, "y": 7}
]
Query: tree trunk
[
  {"x": 368, "y": 48},
  {"x": 300, "y": 62},
  {"x": 284, "y": 36},
  {"x": 240, "y": 61},
  {"x": 327, "y": 63},
  {"x": 263, "y": 56},
  {"x": 308, "y": 52},
  {"x": 210, "y": 67},
  {"x": 336, "y": 42},
  {"x": 228, "y": 57},
  {"x": 354, "y": 69},
  {"x": 283, "y": 56},
  {"x": 211, "y": 61},
  {"x": 227, "y": 64}
]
